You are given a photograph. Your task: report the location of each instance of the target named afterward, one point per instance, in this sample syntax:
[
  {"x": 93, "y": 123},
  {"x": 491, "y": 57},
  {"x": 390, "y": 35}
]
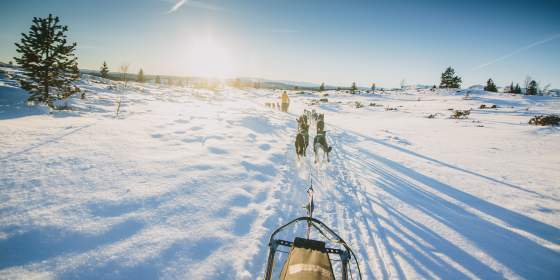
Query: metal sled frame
[{"x": 345, "y": 254}]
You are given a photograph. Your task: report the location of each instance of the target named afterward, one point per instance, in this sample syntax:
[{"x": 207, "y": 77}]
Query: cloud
[
  {"x": 177, "y": 5},
  {"x": 538, "y": 43},
  {"x": 195, "y": 4}
]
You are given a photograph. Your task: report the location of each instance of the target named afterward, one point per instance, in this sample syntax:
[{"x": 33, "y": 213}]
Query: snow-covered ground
[{"x": 189, "y": 183}]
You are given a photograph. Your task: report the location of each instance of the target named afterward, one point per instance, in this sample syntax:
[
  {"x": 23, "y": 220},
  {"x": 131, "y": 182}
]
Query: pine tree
[
  {"x": 533, "y": 88},
  {"x": 490, "y": 86},
  {"x": 449, "y": 79},
  {"x": 141, "y": 78},
  {"x": 48, "y": 61},
  {"x": 104, "y": 71},
  {"x": 322, "y": 87},
  {"x": 158, "y": 80},
  {"x": 517, "y": 89},
  {"x": 353, "y": 88},
  {"x": 511, "y": 88},
  {"x": 373, "y": 87}
]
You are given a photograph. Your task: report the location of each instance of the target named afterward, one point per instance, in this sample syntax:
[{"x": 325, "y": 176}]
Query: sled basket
[{"x": 310, "y": 259}]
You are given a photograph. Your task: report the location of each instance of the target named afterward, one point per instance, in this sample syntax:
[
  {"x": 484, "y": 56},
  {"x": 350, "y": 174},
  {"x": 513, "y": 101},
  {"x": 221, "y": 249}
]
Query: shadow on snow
[{"x": 520, "y": 254}]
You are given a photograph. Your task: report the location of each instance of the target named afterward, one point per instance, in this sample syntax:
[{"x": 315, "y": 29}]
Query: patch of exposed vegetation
[
  {"x": 461, "y": 114},
  {"x": 484, "y": 106},
  {"x": 545, "y": 120}
]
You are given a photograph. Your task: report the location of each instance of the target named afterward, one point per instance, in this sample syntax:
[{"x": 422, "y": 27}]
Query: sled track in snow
[
  {"x": 374, "y": 249},
  {"x": 341, "y": 203}
]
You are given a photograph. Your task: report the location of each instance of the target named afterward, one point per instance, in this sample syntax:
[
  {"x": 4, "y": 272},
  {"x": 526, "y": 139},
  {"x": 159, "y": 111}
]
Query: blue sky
[{"x": 332, "y": 41}]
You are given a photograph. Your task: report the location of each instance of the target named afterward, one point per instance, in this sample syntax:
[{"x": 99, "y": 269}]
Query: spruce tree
[
  {"x": 104, "y": 71},
  {"x": 517, "y": 89},
  {"x": 511, "y": 88},
  {"x": 141, "y": 78},
  {"x": 353, "y": 88},
  {"x": 158, "y": 80},
  {"x": 449, "y": 79},
  {"x": 48, "y": 61},
  {"x": 490, "y": 86},
  {"x": 532, "y": 89},
  {"x": 373, "y": 87},
  {"x": 322, "y": 87}
]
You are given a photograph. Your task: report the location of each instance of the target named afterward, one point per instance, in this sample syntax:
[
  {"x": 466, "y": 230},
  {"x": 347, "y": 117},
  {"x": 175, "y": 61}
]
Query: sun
[{"x": 209, "y": 58}]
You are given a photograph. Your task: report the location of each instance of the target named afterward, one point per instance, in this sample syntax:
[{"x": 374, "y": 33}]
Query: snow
[{"x": 189, "y": 183}]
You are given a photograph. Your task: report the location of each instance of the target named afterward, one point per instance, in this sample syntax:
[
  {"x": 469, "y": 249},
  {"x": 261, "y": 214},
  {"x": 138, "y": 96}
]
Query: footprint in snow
[
  {"x": 264, "y": 147},
  {"x": 217, "y": 151},
  {"x": 244, "y": 222},
  {"x": 240, "y": 200},
  {"x": 261, "y": 197}
]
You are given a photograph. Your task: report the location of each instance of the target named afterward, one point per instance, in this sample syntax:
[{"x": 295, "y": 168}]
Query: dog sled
[{"x": 308, "y": 258}]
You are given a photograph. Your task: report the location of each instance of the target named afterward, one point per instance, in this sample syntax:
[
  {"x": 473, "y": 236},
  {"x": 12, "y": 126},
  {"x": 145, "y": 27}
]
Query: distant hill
[{"x": 280, "y": 84}]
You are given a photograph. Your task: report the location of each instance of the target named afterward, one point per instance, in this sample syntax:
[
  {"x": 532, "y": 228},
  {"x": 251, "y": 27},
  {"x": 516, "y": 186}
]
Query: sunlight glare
[{"x": 208, "y": 58}]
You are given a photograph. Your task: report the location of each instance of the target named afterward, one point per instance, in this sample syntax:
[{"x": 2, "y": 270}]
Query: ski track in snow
[{"x": 190, "y": 183}]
